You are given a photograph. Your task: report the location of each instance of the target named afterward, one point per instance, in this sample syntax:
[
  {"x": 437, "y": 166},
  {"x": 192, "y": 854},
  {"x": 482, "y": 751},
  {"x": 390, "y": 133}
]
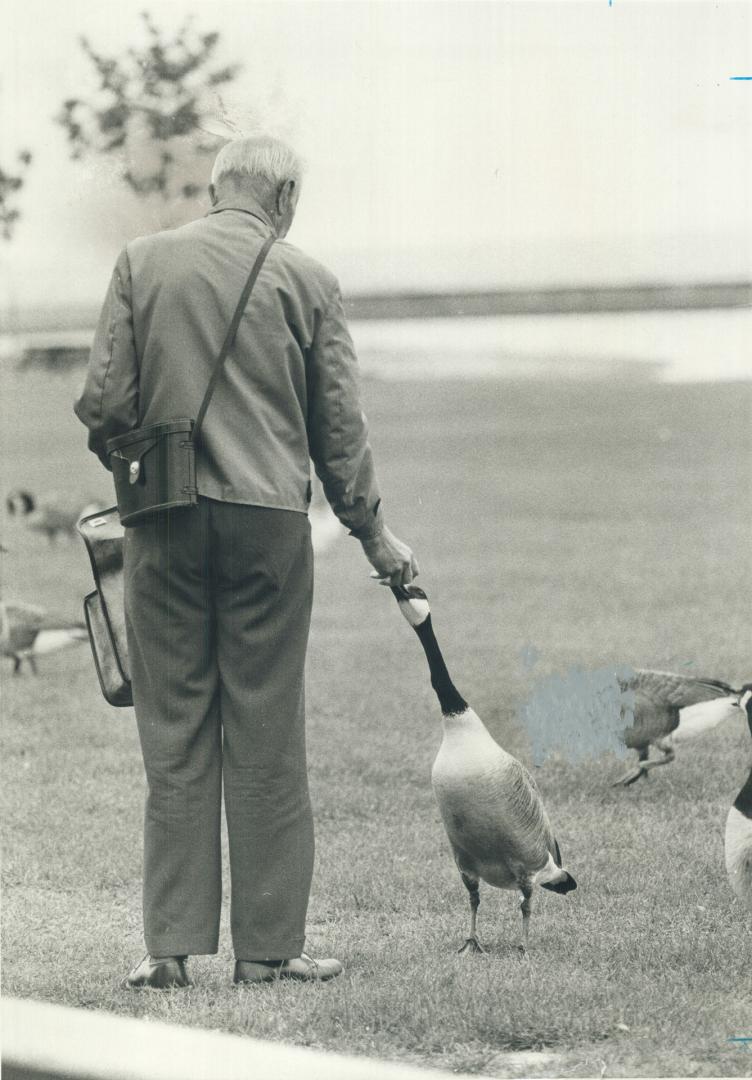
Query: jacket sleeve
[
  {"x": 108, "y": 405},
  {"x": 338, "y": 429}
]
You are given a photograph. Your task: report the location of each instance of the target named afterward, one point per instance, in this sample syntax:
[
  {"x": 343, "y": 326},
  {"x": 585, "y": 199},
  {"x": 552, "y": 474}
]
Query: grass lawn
[{"x": 585, "y": 524}]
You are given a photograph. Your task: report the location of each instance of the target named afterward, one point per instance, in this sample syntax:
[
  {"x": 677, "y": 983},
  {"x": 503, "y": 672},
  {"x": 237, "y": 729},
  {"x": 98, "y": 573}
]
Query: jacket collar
[{"x": 247, "y": 205}]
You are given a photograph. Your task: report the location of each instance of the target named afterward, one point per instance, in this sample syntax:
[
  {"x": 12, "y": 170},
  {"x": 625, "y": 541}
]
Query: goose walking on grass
[
  {"x": 670, "y": 709},
  {"x": 52, "y": 518},
  {"x": 26, "y": 632},
  {"x": 739, "y": 826},
  {"x": 489, "y": 802}
]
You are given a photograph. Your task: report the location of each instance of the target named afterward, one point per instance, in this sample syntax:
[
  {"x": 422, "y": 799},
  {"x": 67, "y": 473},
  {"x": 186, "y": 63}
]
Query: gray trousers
[{"x": 218, "y": 603}]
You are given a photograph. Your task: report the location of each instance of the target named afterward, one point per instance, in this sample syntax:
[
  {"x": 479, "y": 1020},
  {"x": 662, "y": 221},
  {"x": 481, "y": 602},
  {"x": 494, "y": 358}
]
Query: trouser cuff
[
  {"x": 258, "y": 953},
  {"x": 180, "y": 949}
]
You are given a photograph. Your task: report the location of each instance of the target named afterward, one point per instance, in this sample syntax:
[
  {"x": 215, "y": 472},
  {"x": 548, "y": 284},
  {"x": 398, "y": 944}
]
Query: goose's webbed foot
[
  {"x": 640, "y": 769},
  {"x": 630, "y": 777},
  {"x": 471, "y": 946},
  {"x": 644, "y": 766}
]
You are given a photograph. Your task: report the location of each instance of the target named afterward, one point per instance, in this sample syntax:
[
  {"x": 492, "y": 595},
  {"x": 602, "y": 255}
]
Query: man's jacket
[{"x": 289, "y": 388}]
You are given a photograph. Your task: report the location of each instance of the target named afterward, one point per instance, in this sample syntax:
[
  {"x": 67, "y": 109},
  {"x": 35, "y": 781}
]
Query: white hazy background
[{"x": 449, "y": 145}]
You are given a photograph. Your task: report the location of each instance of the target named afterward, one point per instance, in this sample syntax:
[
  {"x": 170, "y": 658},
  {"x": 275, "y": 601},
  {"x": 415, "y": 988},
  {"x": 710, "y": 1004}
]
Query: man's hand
[{"x": 393, "y": 562}]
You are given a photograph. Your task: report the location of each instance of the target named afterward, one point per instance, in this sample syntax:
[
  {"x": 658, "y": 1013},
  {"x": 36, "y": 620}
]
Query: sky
[{"x": 448, "y": 145}]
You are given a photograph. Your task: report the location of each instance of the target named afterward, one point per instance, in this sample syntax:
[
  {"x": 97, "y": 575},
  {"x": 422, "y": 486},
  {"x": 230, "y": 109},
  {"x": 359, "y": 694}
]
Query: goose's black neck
[
  {"x": 450, "y": 699},
  {"x": 743, "y": 801}
]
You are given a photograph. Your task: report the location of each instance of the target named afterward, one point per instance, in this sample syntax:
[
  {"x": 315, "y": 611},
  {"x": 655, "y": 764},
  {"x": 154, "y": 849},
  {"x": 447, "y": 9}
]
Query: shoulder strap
[{"x": 230, "y": 336}]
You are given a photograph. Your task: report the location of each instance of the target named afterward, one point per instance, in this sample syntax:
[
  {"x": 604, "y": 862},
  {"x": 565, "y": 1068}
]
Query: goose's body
[
  {"x": 492, "y": 812},
  {"x": 738, "y": 841},
  {"x": 52, "y": 518},
  {"x": 669, "y": 709},
  {"x": 27, "y": 631},
  {"x": 490, "y": 805}
]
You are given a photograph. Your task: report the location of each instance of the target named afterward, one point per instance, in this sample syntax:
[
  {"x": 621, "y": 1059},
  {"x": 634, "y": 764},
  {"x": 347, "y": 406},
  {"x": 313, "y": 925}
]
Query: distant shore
[
  {"x": 422, "y": 305},
  {"x": 554, "y": 301}
]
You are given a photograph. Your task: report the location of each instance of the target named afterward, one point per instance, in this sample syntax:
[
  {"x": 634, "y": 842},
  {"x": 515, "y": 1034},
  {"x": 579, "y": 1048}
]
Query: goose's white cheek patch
[{"x": 415, "y": 611}]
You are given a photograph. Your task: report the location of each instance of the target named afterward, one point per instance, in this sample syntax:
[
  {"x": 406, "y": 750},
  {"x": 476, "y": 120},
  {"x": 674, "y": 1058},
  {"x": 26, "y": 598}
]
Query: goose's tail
[
  {"x": 50, "y": 639},
  {"x": 563, "y": 884},
  {"x": 553, "y": 876}
]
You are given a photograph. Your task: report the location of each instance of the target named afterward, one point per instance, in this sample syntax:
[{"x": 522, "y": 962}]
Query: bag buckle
[{"x": 134, "y": 471}]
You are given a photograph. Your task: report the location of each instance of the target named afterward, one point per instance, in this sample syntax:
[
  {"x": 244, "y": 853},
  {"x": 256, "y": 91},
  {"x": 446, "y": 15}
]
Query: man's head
[{"x": 263, "y": 167}]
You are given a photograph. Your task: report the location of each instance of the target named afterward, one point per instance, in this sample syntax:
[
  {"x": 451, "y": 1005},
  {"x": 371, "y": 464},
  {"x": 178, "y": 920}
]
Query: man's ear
[
  {"x": 285, "y": 196},
  {"x": 213, "y": 195}
]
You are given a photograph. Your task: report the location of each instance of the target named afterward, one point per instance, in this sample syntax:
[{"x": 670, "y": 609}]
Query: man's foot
[
  {"x": 158, "y": 973},
  {"x": 301, "y": 968}
]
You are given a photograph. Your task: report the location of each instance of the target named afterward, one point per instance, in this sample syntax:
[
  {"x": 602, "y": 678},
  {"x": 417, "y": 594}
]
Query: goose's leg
[
  {"x": 472, "y": 945},
  {"x": 668, "y": 756},
  {"x": 526, "y": 907},
  {"x": 16, "y": 664},
  {"x": 639, "y": 770}
]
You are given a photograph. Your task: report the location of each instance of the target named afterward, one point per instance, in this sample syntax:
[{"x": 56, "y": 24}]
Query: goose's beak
[
  {"x": 400, "y": 592},
  {"x": 408, "y": 592}
]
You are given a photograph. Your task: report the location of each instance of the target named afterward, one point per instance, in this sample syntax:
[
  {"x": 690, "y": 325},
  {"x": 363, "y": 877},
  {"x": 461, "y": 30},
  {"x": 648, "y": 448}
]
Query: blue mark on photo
[{"x": 581, "y": 714}]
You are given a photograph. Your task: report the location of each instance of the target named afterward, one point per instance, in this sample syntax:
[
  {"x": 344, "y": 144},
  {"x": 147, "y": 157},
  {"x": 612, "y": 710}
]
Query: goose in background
[
  {"x": 325, "y": 528},
  {"x": 489, "y": 802},
  {"x": 51, "y": 518},
  {"x": 670, "y": 709},
  {"x": 27, "y": 631},
  {"x": 738, "y": 842}
]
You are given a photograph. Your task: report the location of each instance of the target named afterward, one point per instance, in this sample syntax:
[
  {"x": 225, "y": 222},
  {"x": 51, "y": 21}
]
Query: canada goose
[
  {"x": 489, "y": 802},
  {"x": 669, "y": 709},
  {"x": 52, "y": 518},
  {"x": 26, "y": 631},
  {"x": 325, "y": 528},
  {"x": 739, "y": 825}
]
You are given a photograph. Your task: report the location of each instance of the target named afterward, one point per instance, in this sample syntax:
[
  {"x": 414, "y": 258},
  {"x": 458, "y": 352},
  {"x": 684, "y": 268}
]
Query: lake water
[{"x": 670, "y": 346}]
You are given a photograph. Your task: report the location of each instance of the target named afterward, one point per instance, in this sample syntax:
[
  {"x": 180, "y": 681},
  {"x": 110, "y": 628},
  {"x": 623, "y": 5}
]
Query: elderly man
[{"x": 218, "y": 596}]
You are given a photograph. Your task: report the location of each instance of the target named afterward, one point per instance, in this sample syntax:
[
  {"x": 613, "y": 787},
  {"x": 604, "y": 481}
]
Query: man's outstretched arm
[{"x": 338, "y": 439}]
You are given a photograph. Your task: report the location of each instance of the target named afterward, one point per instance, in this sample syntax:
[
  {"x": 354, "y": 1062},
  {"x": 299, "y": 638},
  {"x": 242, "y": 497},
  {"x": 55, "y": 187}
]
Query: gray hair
[{"x": 259, "y": 157}]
